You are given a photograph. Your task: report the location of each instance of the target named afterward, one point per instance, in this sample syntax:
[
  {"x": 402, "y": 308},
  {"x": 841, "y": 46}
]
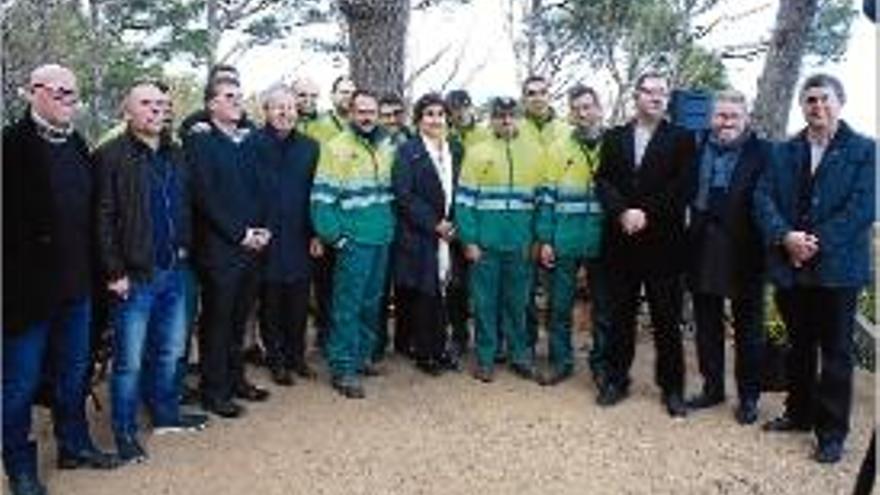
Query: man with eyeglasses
[
  {"x": 641, "y": 171},
  {"x": 47, "y": 251},
  {"x": 815, "y": 205},
  {"x": 230, "y": 212},
  {"x": 495, "y": 207},
  {"x": 143, "y": 225},
  {"x": 199, "y": 121}
]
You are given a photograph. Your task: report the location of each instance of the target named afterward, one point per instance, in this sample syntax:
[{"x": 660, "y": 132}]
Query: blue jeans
[
  {"x": 152, "y": 320},
  {"x": 66, "y": 335}
]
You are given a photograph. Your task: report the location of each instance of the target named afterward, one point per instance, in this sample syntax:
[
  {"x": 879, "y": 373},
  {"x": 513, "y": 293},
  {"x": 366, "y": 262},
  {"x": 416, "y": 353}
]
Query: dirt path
[{"x": 454, "y": 435}]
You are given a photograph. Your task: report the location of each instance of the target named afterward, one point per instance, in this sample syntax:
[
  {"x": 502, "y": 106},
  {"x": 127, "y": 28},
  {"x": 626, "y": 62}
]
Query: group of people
[{"x": 354, "y": 208}]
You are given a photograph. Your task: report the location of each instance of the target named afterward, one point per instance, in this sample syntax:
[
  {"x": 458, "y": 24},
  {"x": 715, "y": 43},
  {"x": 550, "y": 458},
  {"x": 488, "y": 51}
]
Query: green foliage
[{"x": 830, "y": 30}]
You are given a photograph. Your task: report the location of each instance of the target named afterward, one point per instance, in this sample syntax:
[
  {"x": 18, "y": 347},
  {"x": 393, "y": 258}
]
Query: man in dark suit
[
  {"x": 230, "y": 218},
  {"x": 640, "y": 179},
  {"x": 726, "y": 256},
  {"x": 815, "y": 207}
]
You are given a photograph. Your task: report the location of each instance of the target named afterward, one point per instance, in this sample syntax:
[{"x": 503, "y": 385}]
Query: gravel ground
[{"x": 453, "y": 435}]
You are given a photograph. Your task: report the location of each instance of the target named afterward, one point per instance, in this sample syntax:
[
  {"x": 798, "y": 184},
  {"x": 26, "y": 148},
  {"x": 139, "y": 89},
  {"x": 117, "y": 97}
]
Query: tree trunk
[
  {"x": 97, "y": 70},
  {"x": 377, "y": 42},
  {"x": 214, "y": 31},
  {"x": 782, "y": 67}
]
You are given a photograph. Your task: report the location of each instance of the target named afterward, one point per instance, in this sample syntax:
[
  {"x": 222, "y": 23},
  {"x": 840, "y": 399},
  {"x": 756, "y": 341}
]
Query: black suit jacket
[
  {"x": 226, "y": 193},
  {"x": 656, "y": 187},
  {"x": 725, "y": 253},
  {"x": 420, "y": 205}
]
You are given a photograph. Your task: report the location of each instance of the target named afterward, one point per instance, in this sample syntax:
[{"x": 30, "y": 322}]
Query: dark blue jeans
[
  {"x": 150, "y": 324},
  {"x": 65, "y": 337}
]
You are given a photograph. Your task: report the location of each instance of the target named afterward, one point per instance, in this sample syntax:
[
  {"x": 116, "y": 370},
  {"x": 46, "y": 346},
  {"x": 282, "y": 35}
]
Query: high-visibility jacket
[
  {"x": 569, "y": 215},
  {"x": 351, "y": 197},
  {"x": 546, "y": 133},
  {"x": 322, "y": 128},
  {"x": 497, "y": 193}
]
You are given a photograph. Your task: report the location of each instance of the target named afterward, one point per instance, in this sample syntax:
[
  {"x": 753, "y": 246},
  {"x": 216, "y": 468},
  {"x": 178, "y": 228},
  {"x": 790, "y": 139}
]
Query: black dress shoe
[
  {"x": 224, "y": 409},
  {"x": 89, "y": 458},
  {"x": 828, "y": 451},
  {"x": 305, "y": 371},
  {"x": 555, "y": 378},
  {"x": 675, "y": 405},
  {"x": 26, "y": 484},
  {"x": 283, "y": 377},
  {"x": 704, "y": 401},
  {"x": 430, "y": 367},
  {"x": 785, "y": 423},
  {"x": 610, "y": 394},
  {"x": 251, "y": 392},
  {"x": 747, "y": 412}
]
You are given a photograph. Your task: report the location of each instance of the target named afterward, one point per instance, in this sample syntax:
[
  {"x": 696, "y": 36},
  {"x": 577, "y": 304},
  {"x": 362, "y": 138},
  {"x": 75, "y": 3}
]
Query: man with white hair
[
  {"x": 286, "y": 160},
  {"x": 47, "y": 249}
]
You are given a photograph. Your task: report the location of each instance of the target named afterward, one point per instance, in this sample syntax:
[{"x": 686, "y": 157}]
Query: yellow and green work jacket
[
  {"x": 569, "y": 216},
  {"x": 470, "y": 136},
  {"x": 497, "y": 193},
  {"x": 546, "y": 133},
  {"x": 321, "y": 128},
  {"x": 351, "y": 196}
]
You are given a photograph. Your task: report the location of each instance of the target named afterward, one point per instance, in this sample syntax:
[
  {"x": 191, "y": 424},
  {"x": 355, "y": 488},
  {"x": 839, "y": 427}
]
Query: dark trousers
[
  {"x": 229, "y": 295},
  {"x": 819, "y": 321},
  {"x": 427, "y": 324},
  {"x": 748, "y": 321},
  {"x": 283, "y": 317},
  {"x": 404, "y": 320},
  {"x": 458, "y": 303},
  {"x": 322, "y": 281},
  {"x": 664, "y": 301},
  {"x": 600, "y": 314}
]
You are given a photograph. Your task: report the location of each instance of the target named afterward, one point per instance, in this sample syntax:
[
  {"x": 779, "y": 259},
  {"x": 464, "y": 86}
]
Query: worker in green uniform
[
  {"x": 351, "y": 209},
  {"x": 569, "y": 224},
  {"x": 495, "y": 210}
]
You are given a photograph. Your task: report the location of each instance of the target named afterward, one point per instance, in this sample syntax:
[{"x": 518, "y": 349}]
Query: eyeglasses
[
  {"x": 307, "y": 95},
  {"x": 536, "y": 92},
  {"x": 59, "y": 93}
]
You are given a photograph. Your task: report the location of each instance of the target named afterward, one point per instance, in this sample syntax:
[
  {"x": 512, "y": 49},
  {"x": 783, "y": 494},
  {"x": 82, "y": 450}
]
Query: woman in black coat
[{"x": 424, "y": 177}]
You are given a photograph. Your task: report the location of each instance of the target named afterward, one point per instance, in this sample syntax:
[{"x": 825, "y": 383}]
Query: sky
[{"x": 479, "y": 32}]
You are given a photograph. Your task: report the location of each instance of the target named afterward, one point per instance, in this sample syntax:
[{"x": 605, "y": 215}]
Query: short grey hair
[
  {"x": 731, "y": 96},
  {"x": 274, "y": 91},
  {"x": 822, "y": 80}
]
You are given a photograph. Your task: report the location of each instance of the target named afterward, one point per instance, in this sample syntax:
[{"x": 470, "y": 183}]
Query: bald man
[
  {"x": 47, "y": 232},
  {"x": 143, "y": 226}
]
